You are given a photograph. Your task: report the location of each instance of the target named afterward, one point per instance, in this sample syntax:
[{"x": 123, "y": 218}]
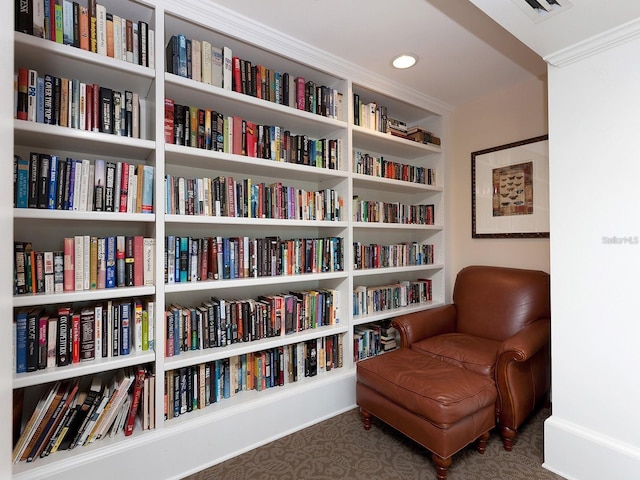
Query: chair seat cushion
[
  {"x": 467, "y": 351},
  {"x": 433, "y": 389}
]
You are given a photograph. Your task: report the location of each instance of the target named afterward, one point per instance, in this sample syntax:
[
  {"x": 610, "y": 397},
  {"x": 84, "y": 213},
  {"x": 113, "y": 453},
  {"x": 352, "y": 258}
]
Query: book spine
[
  {"x": 106, "y": 109},
  {"x": 125, "y": 328},
  {"x": 69, "y": 265},
  {"x": 87, "y": 348}
]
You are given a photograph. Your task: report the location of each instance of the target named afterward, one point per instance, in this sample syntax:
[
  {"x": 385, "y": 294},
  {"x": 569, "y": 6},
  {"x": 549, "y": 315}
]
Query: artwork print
[
  {"x": 513, "y": 190},
  {"x": 510, "y": 190}
]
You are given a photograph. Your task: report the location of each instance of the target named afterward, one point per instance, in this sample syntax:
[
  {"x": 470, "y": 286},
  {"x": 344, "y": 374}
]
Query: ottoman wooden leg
[
  {"x": 482, "y": 443},
  {"x": 442, "y": 464},
  {"x": 366, "y": 418}
]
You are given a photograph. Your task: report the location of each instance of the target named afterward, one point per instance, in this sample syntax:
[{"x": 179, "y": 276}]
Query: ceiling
[
  {"x": 463, "y": 53},
  {"x": 568, "y": 27}
]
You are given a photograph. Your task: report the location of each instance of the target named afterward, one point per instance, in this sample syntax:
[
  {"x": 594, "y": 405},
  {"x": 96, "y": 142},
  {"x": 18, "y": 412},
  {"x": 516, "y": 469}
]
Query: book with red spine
[
  {"x": 169, "y": 131},
  {"x": 75, "y": 337},
  {"x": 236, "y": 147},
  {"x": 237, "y": 74},
  {"x": 124, "y": 187},
  {"x": 135, "y": 401},
  {"x": 23, "y": 94}
]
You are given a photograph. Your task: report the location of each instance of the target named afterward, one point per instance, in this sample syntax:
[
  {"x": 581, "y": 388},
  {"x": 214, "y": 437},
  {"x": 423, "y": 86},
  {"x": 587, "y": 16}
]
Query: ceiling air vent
[{"x": 539, "y": 10}]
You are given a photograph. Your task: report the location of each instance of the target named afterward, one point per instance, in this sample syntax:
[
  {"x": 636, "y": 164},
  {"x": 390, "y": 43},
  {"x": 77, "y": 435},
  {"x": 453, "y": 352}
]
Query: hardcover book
[
  {"x": 87, "y": 334},
  {"x": 106, "y": 109}
]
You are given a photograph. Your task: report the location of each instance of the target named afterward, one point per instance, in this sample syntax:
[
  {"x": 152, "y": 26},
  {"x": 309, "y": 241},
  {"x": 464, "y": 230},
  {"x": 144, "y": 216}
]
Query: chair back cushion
[{"x": 498, "y": 302}]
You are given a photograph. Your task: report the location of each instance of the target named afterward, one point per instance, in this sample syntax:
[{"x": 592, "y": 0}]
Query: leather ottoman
[{"x": 441, "y": 406}]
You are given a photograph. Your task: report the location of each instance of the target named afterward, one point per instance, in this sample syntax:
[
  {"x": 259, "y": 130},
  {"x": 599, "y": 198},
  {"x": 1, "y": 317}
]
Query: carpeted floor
[{"x": 340, "y": 448}]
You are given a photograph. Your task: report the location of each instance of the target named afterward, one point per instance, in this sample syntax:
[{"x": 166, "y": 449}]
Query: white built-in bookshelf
[{"x": 214, "y": 430}]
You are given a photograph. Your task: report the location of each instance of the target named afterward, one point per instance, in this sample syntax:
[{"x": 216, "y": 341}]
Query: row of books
[
  {"x": 375, "y": 117},
  {"x": 193, "y": 388},
  {"x": 373, "y": 339},
  {"x": 371, "y": 115},
  {"x": 421, "y": 135},
  {"x": 216, "y": 258},
  {"x": 89, "y": 27},
  {"x": 214, "y": 65},
  {"x": 392, "y": 212},
  {"x": 395, "y": 255},
  {"x": 69, "y": 102},
  {"x": 220, "y": 322},
  {"x": 47, "y": 181},
  {"x": 226, "y": 196},
  {"x": 85, "y": 262},
  {"x": 211, "y": 130},
  {"x": 368, "y": 164},
  {"x": 371, "y": 299},
  {"x": 70, "y": 334},
  {"x": 72, "y": 413}
]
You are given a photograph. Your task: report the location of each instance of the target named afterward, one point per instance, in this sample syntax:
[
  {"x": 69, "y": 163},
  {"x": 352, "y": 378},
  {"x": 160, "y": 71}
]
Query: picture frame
[{"x": 510, "y": 190}]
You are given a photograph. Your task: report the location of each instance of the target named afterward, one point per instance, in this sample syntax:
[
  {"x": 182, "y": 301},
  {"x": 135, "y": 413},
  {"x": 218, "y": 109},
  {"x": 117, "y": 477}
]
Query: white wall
[
  {"x": 594, "y": 120},
  {"x": 507, "y": 116}
]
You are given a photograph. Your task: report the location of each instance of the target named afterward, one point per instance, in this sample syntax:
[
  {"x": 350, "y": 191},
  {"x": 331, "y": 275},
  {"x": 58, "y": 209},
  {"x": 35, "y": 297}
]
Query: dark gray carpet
[{"x": 339, "y": 448}]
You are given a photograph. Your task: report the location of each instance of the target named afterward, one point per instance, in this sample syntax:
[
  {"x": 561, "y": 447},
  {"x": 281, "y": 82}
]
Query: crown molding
[
  {"x": 596, "y": 44},
  {"x": 226, "y": 21}
]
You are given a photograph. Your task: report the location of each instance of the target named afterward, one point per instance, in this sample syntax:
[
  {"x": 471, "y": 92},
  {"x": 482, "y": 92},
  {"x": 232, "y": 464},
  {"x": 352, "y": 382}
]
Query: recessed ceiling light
[{"x": 405, "y": 60}]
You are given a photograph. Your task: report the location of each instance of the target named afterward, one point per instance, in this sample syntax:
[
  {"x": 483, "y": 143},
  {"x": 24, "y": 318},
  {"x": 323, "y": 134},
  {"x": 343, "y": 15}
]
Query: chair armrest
[
  {"x": 527, "y": 342},
  {"x": 417, "y": 326},
  {"x": 522, "y": 373}
]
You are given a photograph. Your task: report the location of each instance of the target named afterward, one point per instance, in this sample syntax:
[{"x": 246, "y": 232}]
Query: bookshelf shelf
[
  {"x": 82, "y": 369},
  {"x": 254, "y": 416},
  {"x": 53, "y": 137},
  {"x": 71, "y": 216},
  {"x": 386, "y": 314},
  {"x": 179, "y": 155},
  {"x": 392, "y": 185},
  {"x": 394, "y": 226},
  {"x": 250, "y": 282},
  {"x": 385, "y": 143},
  {"x": 28, "y": 300},
  {"x": 194, "y": 357},
  {"x": 260, "y": 222},
  {"x": 396, "y": 270}
]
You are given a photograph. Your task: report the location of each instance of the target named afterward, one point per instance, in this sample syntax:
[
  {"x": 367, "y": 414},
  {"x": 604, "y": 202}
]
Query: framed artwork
[{"x": 510, "y": 190}]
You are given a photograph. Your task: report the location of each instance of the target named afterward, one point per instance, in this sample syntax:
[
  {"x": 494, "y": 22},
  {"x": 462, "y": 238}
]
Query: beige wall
[{"x": 510, "y": 115}]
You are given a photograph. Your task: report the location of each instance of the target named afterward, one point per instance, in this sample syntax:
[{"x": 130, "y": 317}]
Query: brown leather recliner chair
[{"x": 498, "y": 325}]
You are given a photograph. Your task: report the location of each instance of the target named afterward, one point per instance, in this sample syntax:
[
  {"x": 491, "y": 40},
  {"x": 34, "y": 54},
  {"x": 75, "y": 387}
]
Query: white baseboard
[{"x": 576, "y": 453}]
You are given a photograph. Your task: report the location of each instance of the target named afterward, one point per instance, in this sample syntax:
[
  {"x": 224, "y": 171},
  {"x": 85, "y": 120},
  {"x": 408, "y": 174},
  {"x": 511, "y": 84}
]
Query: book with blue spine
[
  {"x": 125, "y": 328},
  {"x": 21, "y": 341},
  {"x": 40, "y": 94},
  {"x": 72, "y": 184},
  {"x": 48, "y": 113},
  {"x": 67, "y": 25},
  {"x": 111, "y": 262},
  {"x": 184, "y": 259},
  {"x": 182, "y": 56},
  {"x": 22, "y": 182},
  {"x": 53, "y": 182},
  {"x": 147, "y": 189},
  {"x": 226, "y": 258}
]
